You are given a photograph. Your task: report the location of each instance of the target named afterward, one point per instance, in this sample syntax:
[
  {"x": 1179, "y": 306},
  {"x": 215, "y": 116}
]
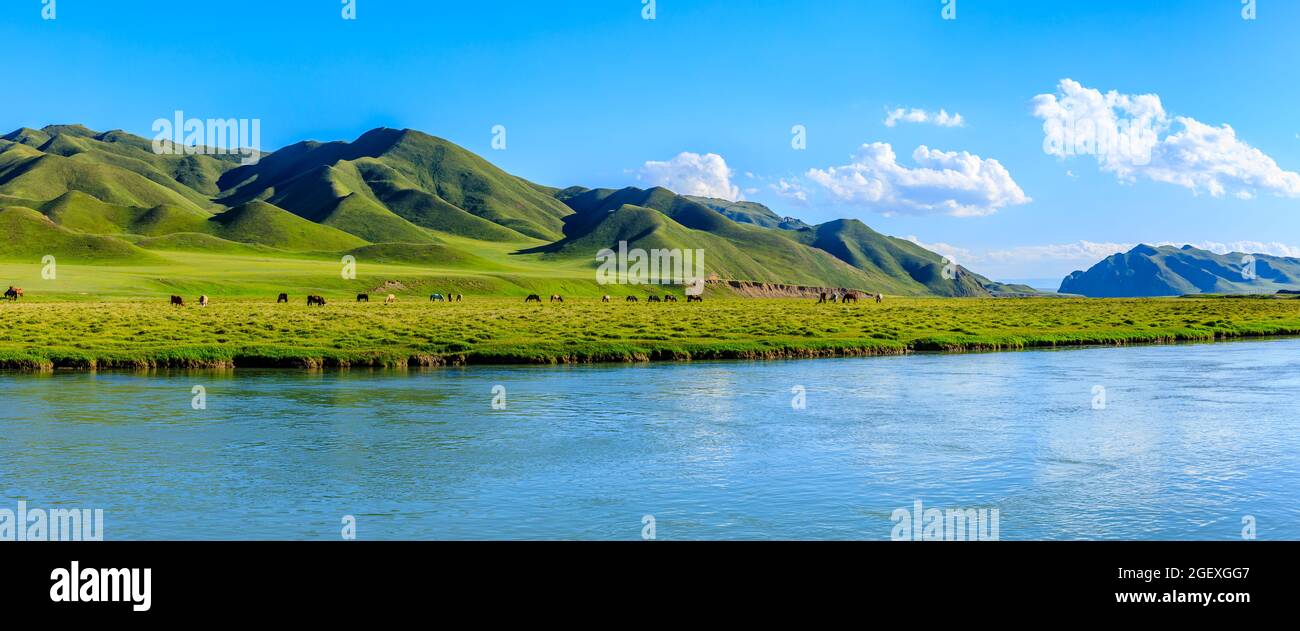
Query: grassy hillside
[
  {"x": 266, "y": 224},
  {"x": 30, "y": 236},
  {"x": 434, "y": 166}
]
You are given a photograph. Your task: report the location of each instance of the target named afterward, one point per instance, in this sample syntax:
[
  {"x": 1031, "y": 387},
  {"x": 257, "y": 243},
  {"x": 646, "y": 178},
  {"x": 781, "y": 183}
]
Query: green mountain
[
  {"x": 1172, "y": 271},
  {"x": 763, "y": 246},
  {"x": 404, "y": 197},
  {"x": 384, "y": 164}
]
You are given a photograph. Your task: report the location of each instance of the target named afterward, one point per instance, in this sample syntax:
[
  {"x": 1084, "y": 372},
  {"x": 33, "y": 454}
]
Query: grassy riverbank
[{"x": 84, "y": 335}]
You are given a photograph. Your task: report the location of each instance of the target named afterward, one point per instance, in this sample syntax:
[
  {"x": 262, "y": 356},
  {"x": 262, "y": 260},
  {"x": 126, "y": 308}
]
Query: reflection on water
[{"x": 1192, "y": 439}]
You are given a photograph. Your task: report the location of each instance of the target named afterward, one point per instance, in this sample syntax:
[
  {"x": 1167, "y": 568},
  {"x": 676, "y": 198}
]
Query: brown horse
[
  {"x": 653, "y": 299},
  {"x": 315, "y": 301},
  {"x": 821, "y": 298},
  {"x": 14, "y": 293},
  {"x": 851, "y": 296},
  {"x": 533, "y": 298},
  {"x": 631, "y": 298},
  {"x": 363, "y": 297},
  {"x": 177, "y": 301},
  {"x": 282, "y": 298},
  {"x": 670, "y": 298},
  {"x": 695, "y": 299}
]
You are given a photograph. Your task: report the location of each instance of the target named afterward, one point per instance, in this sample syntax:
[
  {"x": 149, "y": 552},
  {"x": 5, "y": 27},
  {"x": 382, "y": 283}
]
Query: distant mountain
[
  {"x": 750, "y": 212},
  {"x": 1172, "y": 271},
  {"x": 402, "y": 196}
]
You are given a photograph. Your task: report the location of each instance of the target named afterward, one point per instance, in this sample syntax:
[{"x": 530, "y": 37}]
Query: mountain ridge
[{"x": 403, "y": 195}]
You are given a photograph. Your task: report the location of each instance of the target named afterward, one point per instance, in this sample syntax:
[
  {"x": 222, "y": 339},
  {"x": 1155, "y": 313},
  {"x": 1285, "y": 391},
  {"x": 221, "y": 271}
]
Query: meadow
[{"x": 134, "y": 334}]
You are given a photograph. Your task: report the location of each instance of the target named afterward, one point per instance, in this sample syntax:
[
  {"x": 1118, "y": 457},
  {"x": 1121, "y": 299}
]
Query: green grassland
[{"x": 37, "y": 335}]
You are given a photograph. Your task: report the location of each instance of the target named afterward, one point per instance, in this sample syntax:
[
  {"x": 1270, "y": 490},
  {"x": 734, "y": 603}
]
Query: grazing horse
[
  {"x": 203, "y": 301},
  {"x": 631, "y": 298},
  {"x": 177, "y": 302},
  {"x": 363, "y": 297},
  {"x": 390, "y": 299},
  {"x": 282, "y": 298},
  {"x": 670, "y": 298},
  {"x": 880, "y": 298},
  {"x": 533, "y": 298},
  {"x": 437, "y": 298},
  {"x": 460, "y": 297},
  {"x": 851, "y": 296},
  {"x": 821, "y": 298},
  {"x": 605, "y": 298},
  {"x": 14, "y": 293},
  {"x": 315, "y": 301},
  {"x": 695, "y": 299},
  {"x": 557, "y": 298},
  {"x": 653, "y": 299}
]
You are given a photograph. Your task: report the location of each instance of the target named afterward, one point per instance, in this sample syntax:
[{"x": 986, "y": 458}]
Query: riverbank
[{"x": 137, "y": 335}]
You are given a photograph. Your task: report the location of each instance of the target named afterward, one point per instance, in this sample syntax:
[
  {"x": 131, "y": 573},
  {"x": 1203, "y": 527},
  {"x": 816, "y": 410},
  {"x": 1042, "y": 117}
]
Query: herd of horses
[
  {"x": 846, "y": 297},
  {"x": 14, "y": 293}
]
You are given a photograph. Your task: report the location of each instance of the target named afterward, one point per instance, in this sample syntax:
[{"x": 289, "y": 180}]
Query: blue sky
[{"x": 589, "y": 93}]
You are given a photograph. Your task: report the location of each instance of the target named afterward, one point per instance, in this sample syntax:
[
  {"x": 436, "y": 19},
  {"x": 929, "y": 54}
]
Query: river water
[{"x": 1190, "y": 442}]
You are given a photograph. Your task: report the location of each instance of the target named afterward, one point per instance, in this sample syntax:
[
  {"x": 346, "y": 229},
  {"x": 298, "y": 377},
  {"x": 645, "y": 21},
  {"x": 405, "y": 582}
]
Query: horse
[
  {"x": 849, "y": 297},
  {"x": 557, "y": 298},
  {"x": 653, "y": 299},
  {"x": 532, "y": 298},
  {"x": 459, "y": 297},
  {"x": 282, "y": 298},
  {"x": 363, "y": 297},
  {"x": 670, "y": 298},
  {"x": 315, "y": 301},
  {"x": 880, "y": 298},
  {"x": 821, "y": 298},
  {"x": 437, "y": 298},
  {"x": 631, "y": 298},
  {"x": 177, "y": 301},
  {"x": 390, "y": 299},
  {"x": 14, "y": 293},
  {"x": 203, "y": 301},
  {"x": 605, "y": 298},
  {"x": 695, "y": 299}
]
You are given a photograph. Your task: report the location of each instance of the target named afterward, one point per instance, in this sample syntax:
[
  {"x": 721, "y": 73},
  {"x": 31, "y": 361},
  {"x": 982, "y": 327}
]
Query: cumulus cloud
[
  {"x": 914, "y": 115},
  {"x": 1133, "y": 135},
  {"x": 692, "y": 174},
  {"x": 949, "y": 182}
]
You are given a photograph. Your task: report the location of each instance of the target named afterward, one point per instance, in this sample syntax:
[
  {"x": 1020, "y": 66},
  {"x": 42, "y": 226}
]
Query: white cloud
[
  {"x": 1133, "y": 135},
  {"x": 692, "y": 174},
  {"x": 955, "y": 183},
  {"x": 793, "y": 191},
  {"x": 914, "y": 115}
]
